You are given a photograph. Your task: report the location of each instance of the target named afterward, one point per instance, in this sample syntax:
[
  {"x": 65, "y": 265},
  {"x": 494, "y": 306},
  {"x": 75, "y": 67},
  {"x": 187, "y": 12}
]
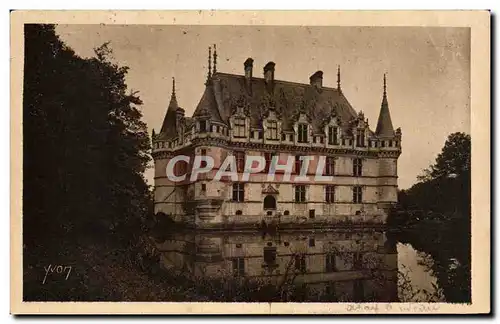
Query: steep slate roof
[
  {"x": 286, "y": 98},
  {"x": 168, "y": 128},
  {"x": 384, "y": 124},
  {"x": 208, "y": 105}
]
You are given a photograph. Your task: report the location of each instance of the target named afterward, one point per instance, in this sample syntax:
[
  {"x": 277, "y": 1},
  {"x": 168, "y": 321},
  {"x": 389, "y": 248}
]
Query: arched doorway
[{"x": 269, "y": 202}]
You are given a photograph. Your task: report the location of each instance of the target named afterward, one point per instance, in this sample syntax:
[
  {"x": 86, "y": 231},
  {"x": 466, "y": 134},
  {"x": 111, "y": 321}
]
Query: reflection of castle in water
[{"x": 329, "y": 265}]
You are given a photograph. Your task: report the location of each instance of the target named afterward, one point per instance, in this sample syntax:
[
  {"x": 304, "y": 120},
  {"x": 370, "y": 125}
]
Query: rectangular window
[
  {"x": 302, "y": 133},
  {"x": 283, "y": 137},
  {"x": 330, "y": 194},
  {"x": 360, "y": 138},
  {"x": 300, "y": 193},
  {"x": 357, "y": 194},
  {"x": 291, "y": 138},
  {"x": 298, "y": 164},
  {"x": 268, "y": 158},
  {"x": 382, "y": 143},
  {"x": 332, "y": 135},
  {"x": 240, "y": 161},
  {"x": 238, "y": 192},
  {"x": 238, "y": 267},
  {"x": 390, "y": 143},
  {"x": 300, "y": 262},
  {"x": 239, "y": 127},
  {"x": 357, "y": 167},
  {"x": 270, "y": 255},
  {"x": 330, "y": 166},
  {"x": 321, "y": 139},
  {"x": 259, "y": 133},
  {"x": 330, "y": 262},
  {"x": 203, "y": 126},
  {"x": 272, "y": 130},
  {"x": 312, "y": 242},
  {"x": 203, "y": 187},
  {"x": 312, "y": 213}
]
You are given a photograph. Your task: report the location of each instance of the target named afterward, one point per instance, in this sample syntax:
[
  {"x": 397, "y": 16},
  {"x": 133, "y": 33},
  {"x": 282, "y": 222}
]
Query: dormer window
[
  {"x": 272, "y": 130},
  {"x": 332, "y": 135},
  {"x": 239, "y": 127},
  {"x": 302, "y": 133},
  {"x": 360, "y": 138}
]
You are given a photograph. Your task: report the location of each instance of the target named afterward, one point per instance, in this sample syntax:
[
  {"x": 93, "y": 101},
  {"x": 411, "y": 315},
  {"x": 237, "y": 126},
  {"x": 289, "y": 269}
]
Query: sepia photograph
[{"x": 326, "y": 164}]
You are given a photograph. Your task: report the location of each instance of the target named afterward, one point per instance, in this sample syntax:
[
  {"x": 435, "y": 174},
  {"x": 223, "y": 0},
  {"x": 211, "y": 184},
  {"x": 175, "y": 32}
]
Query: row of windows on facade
[
  {"x": 240, "y": 131},
  {"x": 300, "y": 195},
  {"x": 181, "y": 168},
  {"x": 270, "y": 255}
]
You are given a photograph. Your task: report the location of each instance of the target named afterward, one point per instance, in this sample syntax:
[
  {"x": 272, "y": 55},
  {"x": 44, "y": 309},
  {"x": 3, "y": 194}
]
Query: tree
[
  {"x": 85, "y": 146},
  {"x": 434, "y": 216},
  {"x": 454, "y": 159}
]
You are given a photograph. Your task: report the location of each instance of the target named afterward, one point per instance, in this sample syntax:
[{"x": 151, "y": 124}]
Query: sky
[{"x": 428, "y": 71}]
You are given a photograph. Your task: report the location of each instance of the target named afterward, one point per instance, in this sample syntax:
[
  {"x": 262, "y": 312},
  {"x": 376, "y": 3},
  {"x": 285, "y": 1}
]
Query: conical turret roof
[{"x": 384, "y": 124}]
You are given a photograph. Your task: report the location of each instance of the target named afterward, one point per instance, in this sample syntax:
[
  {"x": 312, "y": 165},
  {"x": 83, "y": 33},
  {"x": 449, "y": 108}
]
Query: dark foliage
[
  {"x": 85, "y": 151},
  {"x": 434, "y": 216}
]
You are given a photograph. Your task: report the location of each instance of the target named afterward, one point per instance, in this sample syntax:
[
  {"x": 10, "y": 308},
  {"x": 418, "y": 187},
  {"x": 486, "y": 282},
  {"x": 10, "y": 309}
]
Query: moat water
[{"x": 302, "y": 266}]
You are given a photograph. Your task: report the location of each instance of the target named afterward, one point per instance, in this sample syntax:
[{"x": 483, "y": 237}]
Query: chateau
[{"x": 244, "y": 115}]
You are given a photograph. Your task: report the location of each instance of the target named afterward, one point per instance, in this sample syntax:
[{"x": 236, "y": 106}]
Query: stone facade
[{"x": 242, "y": 115}]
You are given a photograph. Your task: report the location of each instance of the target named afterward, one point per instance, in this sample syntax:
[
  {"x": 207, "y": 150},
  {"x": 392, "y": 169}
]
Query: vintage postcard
[{"x": 237, "y": 162}]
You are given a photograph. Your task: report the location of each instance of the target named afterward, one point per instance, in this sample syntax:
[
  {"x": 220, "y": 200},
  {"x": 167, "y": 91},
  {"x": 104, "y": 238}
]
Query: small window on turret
[
  {"x": 390, "y": 143},
  {"x": 283, "y": 137},
  {"x": 382, "y": 144},
  {"x": 203, "y": 126},
  {"x": 396, "y": 143}
]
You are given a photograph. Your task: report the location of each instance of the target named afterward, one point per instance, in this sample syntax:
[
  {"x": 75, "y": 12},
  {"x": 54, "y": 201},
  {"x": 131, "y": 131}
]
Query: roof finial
[
  {"x": 209, "y": 63},
  {"x": 385, "y": 86},
  {"x": 215, "y": 59},
  {"x": 338, "y": 78},
  {"x": 173, "y": 87}
]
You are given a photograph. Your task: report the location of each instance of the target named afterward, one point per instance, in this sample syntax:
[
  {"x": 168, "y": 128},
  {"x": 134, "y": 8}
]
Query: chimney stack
[
  {"x": 269, "y": 73},
  {"x": 248, "y": 68},
  {"x": 317, "y": 79},
  {"x": 248, "y": 73}
]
